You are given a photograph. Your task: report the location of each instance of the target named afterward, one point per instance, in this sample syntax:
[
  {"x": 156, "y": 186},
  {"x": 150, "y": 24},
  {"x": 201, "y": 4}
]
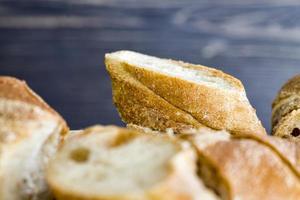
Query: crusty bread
[
  {"x": 29, "y": 133},
  {"x": 227, "y": 163},
  {"x": 286, "y": 110},
  {"x": 113, "y": 163},
  {"x": 247, "y": 168},
  {"x": 288, "y": 150},
  {"x": 160, "y": 93},
  {"x": 15, "y": 89}
]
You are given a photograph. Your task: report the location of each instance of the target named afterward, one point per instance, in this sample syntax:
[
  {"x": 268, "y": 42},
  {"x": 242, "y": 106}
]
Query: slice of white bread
[
  {"x": 246, "y": 168},
  {"x": 160, "y": 93},
  {"x": 113, "y": 163},
  {"x": 286, "y": 110},
  {"x": 29, "y": 134}
]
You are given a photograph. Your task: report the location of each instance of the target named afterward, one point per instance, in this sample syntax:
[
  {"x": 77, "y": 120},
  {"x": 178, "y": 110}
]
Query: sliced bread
[
  {"x": 245, "y": 168},
  {"x": 113, "y": 163},
  {"x": 160, "y": 93}
]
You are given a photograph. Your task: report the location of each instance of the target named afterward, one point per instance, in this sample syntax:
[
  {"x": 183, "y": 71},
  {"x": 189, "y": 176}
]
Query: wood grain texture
[{"x": 58, "y": 46}]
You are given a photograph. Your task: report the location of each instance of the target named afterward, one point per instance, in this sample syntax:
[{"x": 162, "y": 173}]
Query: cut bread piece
[
  {"x": 138, "y": 105},
  {"x": 286, "y": 110},
  {"x": 160, "y": 93},
  {"x": 113, "y": 163},
  {"x": 244, "y": 169},
  {"x": 30, "y": 132},
  {"x": 287, "y": 150}
]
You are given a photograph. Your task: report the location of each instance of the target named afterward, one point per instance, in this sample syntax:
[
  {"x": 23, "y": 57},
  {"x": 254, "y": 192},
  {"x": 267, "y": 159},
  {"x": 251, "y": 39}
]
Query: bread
[
  {"x": 160, "y": 94},
  {"x": 287, "y": 150},
  {"x": 286, "y": 110},
  {"x": 245, "y": 168},
  {"x": 29, "y": 133},
  {"x": 113, "y": 163}
]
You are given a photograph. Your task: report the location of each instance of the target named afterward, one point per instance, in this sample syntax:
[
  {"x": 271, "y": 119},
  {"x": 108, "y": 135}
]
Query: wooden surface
[{"x": 58, "y": 46}]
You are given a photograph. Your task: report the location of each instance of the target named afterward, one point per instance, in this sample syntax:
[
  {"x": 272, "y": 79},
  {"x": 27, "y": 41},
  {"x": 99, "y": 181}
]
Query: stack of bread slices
[{"x": 191, "y": 135}]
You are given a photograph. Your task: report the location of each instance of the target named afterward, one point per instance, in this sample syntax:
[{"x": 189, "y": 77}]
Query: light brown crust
[
  {"x": 291, "y": 87},
  {"x": 287, "y": 124},
  {"x": 61, "y": 194},
  {"x": 139, "y": 105},
  {"x": 213, "y": 107},
  {"x": 17, "y": 90},
  {"x": 252, "y": 170},
  {"x": 286, "y": 108},
  {"x": 287, "y": 150}
]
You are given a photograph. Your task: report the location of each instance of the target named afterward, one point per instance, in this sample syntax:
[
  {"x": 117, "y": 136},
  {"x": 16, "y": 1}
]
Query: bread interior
[
  {"x": 113, "y": 164},
  {"x": 198, "y": 75}
]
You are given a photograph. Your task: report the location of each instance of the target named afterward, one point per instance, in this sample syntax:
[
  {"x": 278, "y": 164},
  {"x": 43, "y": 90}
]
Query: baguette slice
[
  {"x": 286, "y": 110},
  {"x": 113, "y": 163},
  {"x": 160, "y": 93},
  {"x": 243, "y": 168},
  {"x": 29, "y": 134}
]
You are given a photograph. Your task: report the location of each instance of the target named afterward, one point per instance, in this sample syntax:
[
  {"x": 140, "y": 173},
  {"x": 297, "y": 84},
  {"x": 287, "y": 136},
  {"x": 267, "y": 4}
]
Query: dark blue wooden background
[{"x": 57, "y": 46}]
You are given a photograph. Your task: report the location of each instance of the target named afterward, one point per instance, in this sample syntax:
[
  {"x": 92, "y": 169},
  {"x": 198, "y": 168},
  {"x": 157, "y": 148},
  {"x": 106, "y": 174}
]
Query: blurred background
[{"x": 57, "y": 46}]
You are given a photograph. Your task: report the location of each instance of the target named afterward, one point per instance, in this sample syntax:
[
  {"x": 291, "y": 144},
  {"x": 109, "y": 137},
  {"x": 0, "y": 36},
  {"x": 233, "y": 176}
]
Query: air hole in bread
[
  {"x": 80, "y": 155},
  {"x": 295, "y": 132}
]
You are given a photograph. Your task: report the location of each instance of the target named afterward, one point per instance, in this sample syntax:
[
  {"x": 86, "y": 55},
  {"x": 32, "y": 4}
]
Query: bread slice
[
  {"x": 160, "y": 93},
  {"x": 286, "y": 110},
  {"x": 243, "y": 168},
  {"x": 29, "y": 133},
  {"x": 113, "y": 163}
]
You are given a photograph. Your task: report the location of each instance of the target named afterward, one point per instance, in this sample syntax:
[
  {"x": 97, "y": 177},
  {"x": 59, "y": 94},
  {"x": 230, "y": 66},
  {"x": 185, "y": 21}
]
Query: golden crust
[
  {"x": 252, "y": 170},
  {"x": 287, "y": 124},
  {"x": 17, "y": 90},
  {"x": 139, "y": 105},
  {"x": 61, "y": 194},
  {"x": 213, "y": 107},
  {"x": 286, "y": 109},
  {"x": 291, "y": 87},
  {"x": 287, "y": 150}
]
